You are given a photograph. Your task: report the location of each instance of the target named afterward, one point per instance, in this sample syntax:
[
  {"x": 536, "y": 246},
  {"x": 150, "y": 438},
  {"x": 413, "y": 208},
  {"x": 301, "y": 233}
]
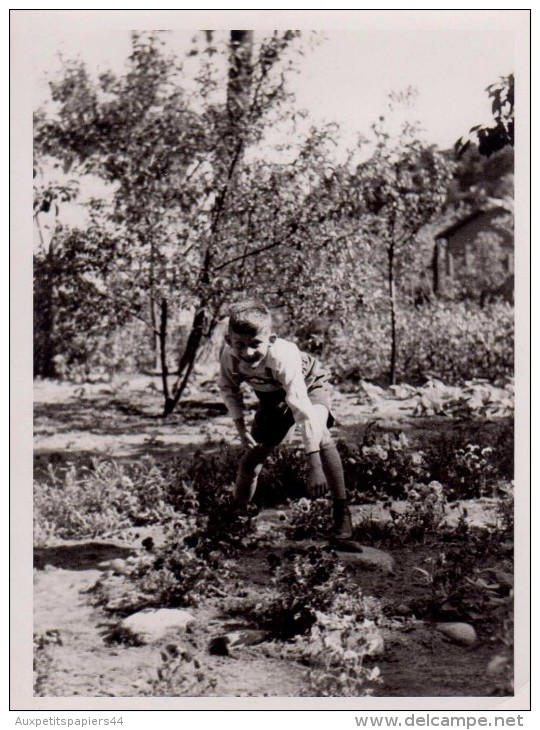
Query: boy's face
[{"x": 250, "y": 349}]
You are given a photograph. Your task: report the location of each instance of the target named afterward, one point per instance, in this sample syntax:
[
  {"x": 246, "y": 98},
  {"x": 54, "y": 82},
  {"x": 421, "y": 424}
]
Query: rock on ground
[
  {"x": 369, "y": 558},
  {"x": 152, "y": 624},
  {"x": 459, "y": 633}
]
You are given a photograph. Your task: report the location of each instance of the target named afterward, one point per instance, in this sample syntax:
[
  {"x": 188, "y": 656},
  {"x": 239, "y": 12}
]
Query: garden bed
[{"x": 112, "y": 518}]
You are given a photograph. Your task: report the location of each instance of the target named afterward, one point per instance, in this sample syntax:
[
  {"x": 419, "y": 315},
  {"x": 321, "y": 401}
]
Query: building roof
[{"x": 496, "y": 205}]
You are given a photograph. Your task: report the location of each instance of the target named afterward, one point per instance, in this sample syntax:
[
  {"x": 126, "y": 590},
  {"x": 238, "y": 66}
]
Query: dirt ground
[{"x": 123, "y": 420}]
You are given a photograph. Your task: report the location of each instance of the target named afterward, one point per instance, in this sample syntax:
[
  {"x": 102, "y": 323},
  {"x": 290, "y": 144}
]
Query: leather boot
[{"x": 342, "y": 520}]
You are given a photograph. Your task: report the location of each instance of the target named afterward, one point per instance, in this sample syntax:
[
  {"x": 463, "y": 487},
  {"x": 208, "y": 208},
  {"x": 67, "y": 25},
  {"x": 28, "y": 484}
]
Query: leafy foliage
[
  {"x": 99, "y": 500},
  {"x": 492, "y": 138},
  {"x": 383, "y": 464},
  {"x": 424, "y": 514},
  {"x": 193, "y": 218},
  {"x": 404, "y": 185},
  {"x": 169, "y": 575},
  {"x": 308, "y": 519},
  {"x": 304, "y": 581},
  {"x": 453, "y": 341},
  {"x": 338, "y": 649},
  {"x": 181, "y": 674},
  {"x": 477, "y": 178}
]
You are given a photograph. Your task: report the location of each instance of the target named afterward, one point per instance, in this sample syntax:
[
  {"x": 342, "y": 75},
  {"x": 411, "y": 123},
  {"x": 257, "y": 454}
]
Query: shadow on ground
[
  {"x": 107, "y": 415},
  {"x": 46, "y": 460},
  {"x": 80, "y": 556}
]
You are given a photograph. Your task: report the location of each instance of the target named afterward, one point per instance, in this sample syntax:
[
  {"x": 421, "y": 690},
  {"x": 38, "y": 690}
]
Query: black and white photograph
[{"x": 276, "y": 356}]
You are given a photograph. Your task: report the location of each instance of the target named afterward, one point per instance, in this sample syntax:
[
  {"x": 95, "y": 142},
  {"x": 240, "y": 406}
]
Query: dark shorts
[{"x": 274, "y": 419}]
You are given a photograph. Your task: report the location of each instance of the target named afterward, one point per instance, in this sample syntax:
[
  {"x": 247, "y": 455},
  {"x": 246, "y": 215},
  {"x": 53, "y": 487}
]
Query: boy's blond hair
[{"x": 249, "y": 317}]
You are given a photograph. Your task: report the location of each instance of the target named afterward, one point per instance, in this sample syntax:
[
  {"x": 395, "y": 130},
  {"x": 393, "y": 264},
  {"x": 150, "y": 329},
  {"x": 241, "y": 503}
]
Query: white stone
[
  {"x": 459, "y": 633},
  {"x": 152, "y": 624},
  {"x": 368, "y": 558}
]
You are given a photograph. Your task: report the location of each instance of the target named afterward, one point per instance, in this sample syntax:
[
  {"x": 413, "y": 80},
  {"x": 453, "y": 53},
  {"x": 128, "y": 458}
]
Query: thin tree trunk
[
  {"x": 238, "y": 90},
  {"x": 187, "y": 361},
  {"x": 156, "y": 337},
  {"x": 48, "y": 364},
  {"x": 163, "y": 349},
  {"x": 156, "y": 344},
  {"x": 392, "y": 296}
]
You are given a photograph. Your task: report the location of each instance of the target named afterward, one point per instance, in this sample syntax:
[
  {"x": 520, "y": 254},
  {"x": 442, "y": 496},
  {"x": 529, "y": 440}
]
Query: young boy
[{"x": 292, "y": 388}]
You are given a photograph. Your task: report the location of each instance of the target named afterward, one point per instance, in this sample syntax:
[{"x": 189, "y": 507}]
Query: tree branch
[{"x": 257, "y": 251}]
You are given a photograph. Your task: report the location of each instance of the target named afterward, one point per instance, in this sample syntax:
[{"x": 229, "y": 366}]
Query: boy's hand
[
  {"x": 316, "y": 483},
  {"x": 246, "y": 438}
]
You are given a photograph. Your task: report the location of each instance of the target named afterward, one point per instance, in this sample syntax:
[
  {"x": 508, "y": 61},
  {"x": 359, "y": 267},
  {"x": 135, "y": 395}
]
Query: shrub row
[
  {"x": 109, "y": 496},
  {"x": 452, "y": 341}
]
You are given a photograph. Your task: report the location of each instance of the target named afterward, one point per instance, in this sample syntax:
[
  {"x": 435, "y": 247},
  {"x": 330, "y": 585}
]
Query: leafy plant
[
  {"x": 458, "y": 341},
  {"x": 494, "y": 137},
  {"x": 168, "y": 575},
  {"x": 452, "y": 341},
  {"x": 99, "y": 500},
  {"x": 424, "y": 513},
  {"x": 181, "y": 674},
  {"x": 463, "y": 576},
  {"x": 308, "y": 518},
  {"x": 304, "y": 580},
  {"x": 383, "y": 465},
  {"x": 337, "y": 651},
  {"x": 44, "y": 644}
]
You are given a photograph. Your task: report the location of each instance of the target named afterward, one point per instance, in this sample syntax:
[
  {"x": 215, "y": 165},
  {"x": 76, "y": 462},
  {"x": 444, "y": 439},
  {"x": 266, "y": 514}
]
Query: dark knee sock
[{"x": 333, "y": 471}]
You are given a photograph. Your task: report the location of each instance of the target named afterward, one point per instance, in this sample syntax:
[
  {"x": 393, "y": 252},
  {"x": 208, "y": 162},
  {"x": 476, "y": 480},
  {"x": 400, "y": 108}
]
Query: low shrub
[
  {"x": 181, "y": 673},
  {"x": 171, "y": 574},
  {"x": 452, "y": 341},
  {"x": 471, "y": 469},
  {"x": 77, "y": 502},
  {"x": 470, "y": 573},
  {"x": 457, "y": 342},
  {"x": 384, "y": 464},
  {"x": 304, "y": 581},
  {"x": 337, "y": 652},
  {"x": 308, "y": 519},
  {"x": 424, "y": 514}
]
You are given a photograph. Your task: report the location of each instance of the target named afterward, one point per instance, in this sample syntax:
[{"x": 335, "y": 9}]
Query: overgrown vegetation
[{"x": 453, "y": 341}]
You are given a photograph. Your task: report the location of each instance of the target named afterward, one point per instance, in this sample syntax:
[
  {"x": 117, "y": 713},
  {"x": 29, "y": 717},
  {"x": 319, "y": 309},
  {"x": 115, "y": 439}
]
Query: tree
[
  {"x": 47, "y": 200},
  {"x": 500, "y": 134},
  {"x": 403, "y": 185},
  {"x": 195, "y": 217}
]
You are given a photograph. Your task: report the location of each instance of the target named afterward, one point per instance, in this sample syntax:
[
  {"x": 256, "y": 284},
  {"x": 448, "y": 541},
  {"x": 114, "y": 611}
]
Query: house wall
[
  {"x": 456, "y": 250},
  {"x": 463, "y": 238}
]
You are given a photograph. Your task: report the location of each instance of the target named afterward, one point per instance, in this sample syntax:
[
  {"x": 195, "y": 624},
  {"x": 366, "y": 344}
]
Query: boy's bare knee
[
  {"x": 326, "y": 439},
  {"x": 322, "y": 417}
]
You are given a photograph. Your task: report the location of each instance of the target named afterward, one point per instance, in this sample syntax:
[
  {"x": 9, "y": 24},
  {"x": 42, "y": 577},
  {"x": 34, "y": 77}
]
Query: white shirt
[{"x": 281, "y": 369}]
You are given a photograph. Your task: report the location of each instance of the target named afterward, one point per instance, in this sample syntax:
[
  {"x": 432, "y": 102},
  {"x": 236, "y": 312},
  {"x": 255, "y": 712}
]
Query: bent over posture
[{"x": 292, "y": 388}]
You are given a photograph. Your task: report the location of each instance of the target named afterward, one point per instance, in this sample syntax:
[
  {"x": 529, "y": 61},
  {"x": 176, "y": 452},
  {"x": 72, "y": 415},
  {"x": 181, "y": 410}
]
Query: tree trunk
[
  {"x": 238, "y": 93},
  {"x": 156, "y": 337},
  {"x": 44, "y": 364},
  {"x": 239, "y": 80},
  {"x": 187, "y": 361},
  {"x": 392, "y": 297},
  {"x": 162, "y": 341}
]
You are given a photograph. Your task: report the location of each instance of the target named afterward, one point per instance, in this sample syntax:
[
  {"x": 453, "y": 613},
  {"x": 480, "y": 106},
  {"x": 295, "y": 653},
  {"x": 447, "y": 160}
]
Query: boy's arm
[
  {"x": 288, "y": 363},
  {"x": 289, "y": 373},
  {"x": 229, "y": 388}
]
